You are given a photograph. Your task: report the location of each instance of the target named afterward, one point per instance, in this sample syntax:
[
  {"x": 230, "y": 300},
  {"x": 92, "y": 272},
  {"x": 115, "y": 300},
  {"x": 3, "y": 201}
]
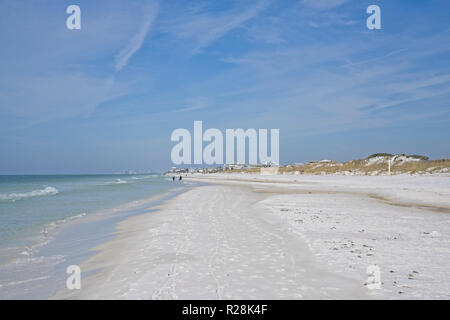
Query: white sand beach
[{"x": 248, "y": 236}]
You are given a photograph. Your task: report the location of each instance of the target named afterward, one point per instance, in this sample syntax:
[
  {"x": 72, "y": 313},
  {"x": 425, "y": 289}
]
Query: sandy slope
[
  {"x": 282, "y": 237},
  {"x": 212, "y": 242},
  {"x": 400, "y": 224}
]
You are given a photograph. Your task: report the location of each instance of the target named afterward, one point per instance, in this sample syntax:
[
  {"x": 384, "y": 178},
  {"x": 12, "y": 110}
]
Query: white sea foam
[
  {"x": 14, "y": 283},
  {"x": 46, "y": 236},
  {"x": 64, "y": 220},
  {"x": 47, "y": 191},
  {"x": 117, "y": 181}
]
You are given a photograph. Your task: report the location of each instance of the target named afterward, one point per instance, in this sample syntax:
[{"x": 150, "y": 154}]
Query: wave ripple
[{"x": 47, "y": 191}]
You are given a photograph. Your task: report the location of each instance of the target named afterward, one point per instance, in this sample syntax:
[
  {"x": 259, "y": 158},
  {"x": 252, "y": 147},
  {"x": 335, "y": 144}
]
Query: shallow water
[{"x": 50, "y": 222}]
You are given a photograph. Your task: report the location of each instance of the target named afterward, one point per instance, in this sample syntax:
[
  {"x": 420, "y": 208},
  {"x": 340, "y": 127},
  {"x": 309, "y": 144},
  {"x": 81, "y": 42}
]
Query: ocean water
[{"x": 49, "y": 221}]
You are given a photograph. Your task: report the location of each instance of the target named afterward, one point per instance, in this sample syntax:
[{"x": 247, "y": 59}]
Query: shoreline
[
  {"x": 68, "y": 242},
  {"x": 207, "y": 243},
  {"x": 209, "y": 255}
]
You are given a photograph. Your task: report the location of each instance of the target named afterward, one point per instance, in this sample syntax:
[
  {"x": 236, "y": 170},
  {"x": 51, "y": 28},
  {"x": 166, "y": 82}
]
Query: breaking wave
[
  {"x": 48, "y": 191},
  {"x": 116, "y": 182}
]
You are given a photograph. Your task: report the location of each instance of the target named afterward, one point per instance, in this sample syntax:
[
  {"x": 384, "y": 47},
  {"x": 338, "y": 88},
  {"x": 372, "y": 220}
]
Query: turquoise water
[
  {"x": 48, "y": 223},
  {"x": 29, "y": 205}
]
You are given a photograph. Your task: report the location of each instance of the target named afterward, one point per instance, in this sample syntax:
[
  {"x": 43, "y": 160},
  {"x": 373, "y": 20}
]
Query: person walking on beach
[
  {"x": 180, "y": 178},
  {"x": 173, "y": 178}
]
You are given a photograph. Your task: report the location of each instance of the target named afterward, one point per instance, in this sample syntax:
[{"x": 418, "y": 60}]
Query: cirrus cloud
[{"x": 323, "y": 4}]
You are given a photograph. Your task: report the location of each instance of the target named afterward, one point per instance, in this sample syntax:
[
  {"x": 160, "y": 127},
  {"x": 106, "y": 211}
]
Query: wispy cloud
[
  {"x": 323, "y": 4},
  {"x": 50, "y": 72},
  {"x": 205, "y": 28},
  {"x": 330, "y": 18},
  {"x": 343, "y": 87},
  {"x": 193, "y": 104},
  {"x": 307, "y": 67},
  {"x": 42, "y": 102},
  {"x": 137, "y": 40}
]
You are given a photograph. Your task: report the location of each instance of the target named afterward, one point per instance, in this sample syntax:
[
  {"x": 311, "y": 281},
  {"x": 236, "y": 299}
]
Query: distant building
[{"x": 175, "y": 170}]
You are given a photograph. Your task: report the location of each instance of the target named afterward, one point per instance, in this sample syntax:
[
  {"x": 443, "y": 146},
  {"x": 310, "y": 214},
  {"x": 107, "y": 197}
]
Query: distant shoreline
[{"x": 374, "y": 165}]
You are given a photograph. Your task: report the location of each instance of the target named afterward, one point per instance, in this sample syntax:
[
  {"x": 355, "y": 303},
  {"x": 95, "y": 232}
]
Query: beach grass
[{"x": 362, "y": 166}]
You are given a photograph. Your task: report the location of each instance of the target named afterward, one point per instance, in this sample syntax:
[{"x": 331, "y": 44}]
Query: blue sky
[{"x": 107, "y": 97}]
